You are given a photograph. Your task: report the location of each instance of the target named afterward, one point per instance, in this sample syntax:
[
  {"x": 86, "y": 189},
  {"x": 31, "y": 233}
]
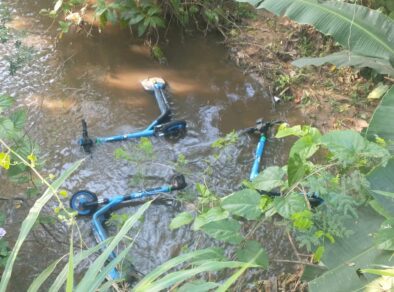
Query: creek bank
[{"x": 328, "y": 97}]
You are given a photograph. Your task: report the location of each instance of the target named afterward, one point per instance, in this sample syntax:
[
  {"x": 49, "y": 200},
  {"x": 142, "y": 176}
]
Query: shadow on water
[{"x": 97, "y": 78}]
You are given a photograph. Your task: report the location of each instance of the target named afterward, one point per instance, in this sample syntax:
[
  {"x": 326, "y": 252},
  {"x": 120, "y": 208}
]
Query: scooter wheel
[
  {"x": 79, "y": 199},
  {"x": 174, "y": 129}
]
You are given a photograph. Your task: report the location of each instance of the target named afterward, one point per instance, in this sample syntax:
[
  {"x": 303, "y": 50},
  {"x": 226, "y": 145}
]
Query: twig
[
  {"x": 389, "y": 79},
  {"x": 297, "y": 262},
  {"x": 292, "y": 245}
]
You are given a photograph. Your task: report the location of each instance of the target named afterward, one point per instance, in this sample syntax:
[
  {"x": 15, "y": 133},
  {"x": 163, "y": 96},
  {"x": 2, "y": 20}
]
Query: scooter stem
[{"x": 259, "y": 153}]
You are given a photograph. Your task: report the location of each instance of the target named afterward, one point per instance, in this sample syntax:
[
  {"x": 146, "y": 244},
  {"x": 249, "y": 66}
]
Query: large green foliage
[
  {"x": 382, "y": 118},
  {"x": 347, "y": 256},
  {"x": 366, "y": 34},
  {"x": 148, "y": 16},
  {"x": 346, "y": 259}
]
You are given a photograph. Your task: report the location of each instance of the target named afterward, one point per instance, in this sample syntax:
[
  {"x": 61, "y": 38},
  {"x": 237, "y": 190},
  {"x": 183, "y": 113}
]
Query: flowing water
[{"x": 97, "y": 78}]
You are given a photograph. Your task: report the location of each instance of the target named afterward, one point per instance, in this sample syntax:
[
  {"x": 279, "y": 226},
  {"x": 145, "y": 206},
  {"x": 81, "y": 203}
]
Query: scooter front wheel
[
  {"x": 174, "y": 129},
  {"x": 81, "y": 200}
]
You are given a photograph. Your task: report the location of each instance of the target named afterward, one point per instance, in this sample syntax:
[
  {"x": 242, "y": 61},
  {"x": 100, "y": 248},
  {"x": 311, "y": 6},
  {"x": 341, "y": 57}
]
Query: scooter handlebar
[{"x": 263, "y": 126}]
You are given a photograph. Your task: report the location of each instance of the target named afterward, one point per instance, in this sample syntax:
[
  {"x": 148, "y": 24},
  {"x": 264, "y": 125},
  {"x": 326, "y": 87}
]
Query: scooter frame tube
[
  {"x": 149, "y": 131},
  {"x": 106, "y": 205}
]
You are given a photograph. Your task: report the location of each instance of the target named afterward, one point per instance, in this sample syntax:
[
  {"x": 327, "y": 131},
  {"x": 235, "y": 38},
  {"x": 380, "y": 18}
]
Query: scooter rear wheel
[
  {"x": 174, "y": 129},
  {"x": 79, "y": 199}
]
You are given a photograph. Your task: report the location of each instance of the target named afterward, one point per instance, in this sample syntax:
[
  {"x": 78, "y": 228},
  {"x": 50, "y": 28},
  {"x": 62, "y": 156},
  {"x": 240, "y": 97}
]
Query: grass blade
[
  {"x": 160, "y": 270},
  {"x": 91, "y": 274},
  {"x": 230, "y": 281},
  {"x": 180, "y": 276},
  {"x": 70, "y": 275},
  {"x": 44, "y": 275},
  {"x": 61, "y": 278},
  {"x": 29, "y": 221},
  {"x": 100, "y": 278},
  {"x": 105, "y": 287}
]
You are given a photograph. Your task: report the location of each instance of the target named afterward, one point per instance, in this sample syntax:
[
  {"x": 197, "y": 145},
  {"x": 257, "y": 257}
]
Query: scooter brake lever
[{"x": 85, "y": 141}]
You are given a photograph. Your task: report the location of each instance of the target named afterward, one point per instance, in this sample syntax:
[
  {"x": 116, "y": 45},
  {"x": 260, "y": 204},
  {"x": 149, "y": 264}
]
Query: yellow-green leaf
[
  {"x": 33, "y": 159},
  {"x": 378, "y": 92},
  {"x": 5, "y": 160},
  {"x": 63, "y": 193}
]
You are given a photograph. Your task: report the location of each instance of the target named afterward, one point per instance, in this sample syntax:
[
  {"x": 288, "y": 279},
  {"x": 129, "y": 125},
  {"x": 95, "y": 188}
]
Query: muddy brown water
[{"x": 97, "y": 78}]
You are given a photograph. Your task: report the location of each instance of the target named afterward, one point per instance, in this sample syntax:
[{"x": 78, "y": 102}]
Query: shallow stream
[{"x": 97, "y": 78}]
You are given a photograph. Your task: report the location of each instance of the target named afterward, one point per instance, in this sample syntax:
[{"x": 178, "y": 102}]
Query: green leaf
[
  {"x": 58, "y": 5},
  {"x": 381, "y": 272},
  {"x": 89, "y": 278},
  {"x": 142, "y": 27},
  {"x": 382, "y": 185},
  {"x": 6, "y": 128},
  {"x": 345, "y": 145},
  {"x": 382, "y": 118},
  {"x": 138, "y": 18},
  {"x": 348, "y": 59},
  {"x": 19, "y": 119},
  {"x": 378, "y": 91},
  {"x": 269, "y": 179},
  {"x": 29, "y": 221},
  {"x": 306, "y": 146},
  {"x": 302, "y": 220},
  {"x": 359, "y": 29},
  {"x": 243, "y": 203},
  {"x": 385, "y": 236},
  {"x": 197, "y": 286},
  {"x": 348, "y": 255},
  {"x": 287, "y": 206},
  {"x": 5, "y": 102},
  {"x": 296, "y": 169},
  {"x": 156, "y": 21},
  {"x": 213, "y": 214},
  {"x": 181, "y": 219},
  {"x": 154, "y": 10},
  {"x": 317, "y": 255},
  {"x": 249, "y": 252},
  {"x": 379, "y": 209},
  {"x": 225, "y": 230},
  {"x": 5, "y": 160},
  {"x": 284, "y": 131}
]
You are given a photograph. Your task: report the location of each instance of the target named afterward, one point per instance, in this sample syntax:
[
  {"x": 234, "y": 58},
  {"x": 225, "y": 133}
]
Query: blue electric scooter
[
  {"x": 262, "y": 127},
  {"x": 87, "y": 203},
  {"x": 159, "y": 127}
]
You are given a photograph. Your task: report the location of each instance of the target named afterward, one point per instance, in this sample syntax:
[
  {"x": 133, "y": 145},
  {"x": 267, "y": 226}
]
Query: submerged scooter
[
  {"x": 159, "y": 127},
  {"x": 262, "y": 127},
  {"x": 87, "y": 203}
]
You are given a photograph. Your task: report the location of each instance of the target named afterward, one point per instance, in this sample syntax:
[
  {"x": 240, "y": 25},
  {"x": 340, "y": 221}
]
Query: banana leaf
[
  {"x": 347, "y": 59},
  {"x": 382, "y": 119},
  {"x": 344, "y": 259},
  {"x": 359, "y": 29}
]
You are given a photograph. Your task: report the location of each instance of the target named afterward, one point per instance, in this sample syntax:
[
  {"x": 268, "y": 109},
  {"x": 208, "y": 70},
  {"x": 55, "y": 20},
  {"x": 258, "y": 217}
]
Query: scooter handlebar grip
[{"x": 178, "y": 182}]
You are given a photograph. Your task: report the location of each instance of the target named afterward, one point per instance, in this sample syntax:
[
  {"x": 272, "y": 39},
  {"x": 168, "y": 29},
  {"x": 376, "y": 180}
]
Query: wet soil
[{"x": 328, "y": 97}]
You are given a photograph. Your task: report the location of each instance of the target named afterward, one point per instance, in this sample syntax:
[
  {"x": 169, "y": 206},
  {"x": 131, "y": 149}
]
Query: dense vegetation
[{"x": 350, "y": 171}]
